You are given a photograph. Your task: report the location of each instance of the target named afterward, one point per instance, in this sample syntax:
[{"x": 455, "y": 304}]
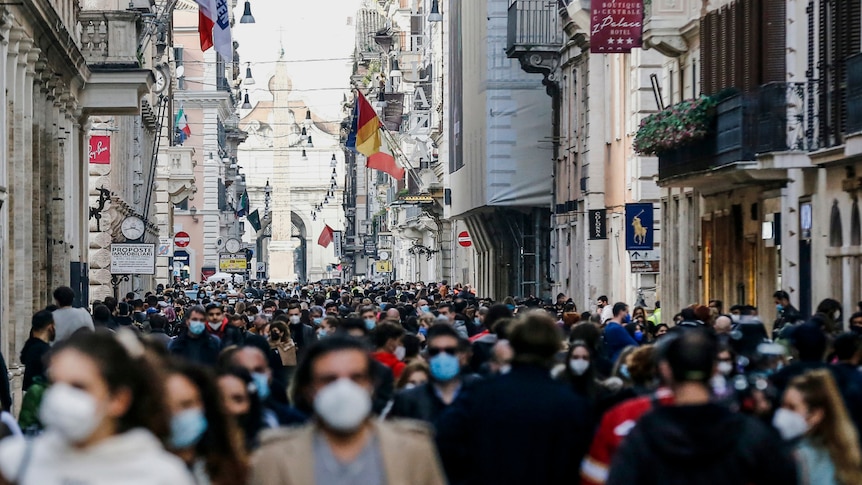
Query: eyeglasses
[{"x": 432, "y": 351}]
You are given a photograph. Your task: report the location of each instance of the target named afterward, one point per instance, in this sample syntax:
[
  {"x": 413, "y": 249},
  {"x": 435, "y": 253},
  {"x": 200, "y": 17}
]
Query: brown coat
[{"x": 286, "y": 456}]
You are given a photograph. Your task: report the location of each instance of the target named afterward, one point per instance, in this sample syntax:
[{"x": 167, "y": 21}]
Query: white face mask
[
  {"x": 400, "y": 352},
  {"x": 70, "y": 412},
  {"x": 789, "y": 424},
  {"x": 294, "y": 319},
  {"x": 725, "y": 368},
  {"x": 579, "y": 366},
  {"x": 343, "y": 405}
]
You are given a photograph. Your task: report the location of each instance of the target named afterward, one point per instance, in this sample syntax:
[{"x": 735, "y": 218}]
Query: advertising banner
[
  {"x": 232, "y": 263},
  {"x": 100, "y": 150},
  {"x": 133, "y": 259},
  {"x": 616, "y": 26},
  {"x": 597, "y": 220},
  {"x": 639, "y": 227}
]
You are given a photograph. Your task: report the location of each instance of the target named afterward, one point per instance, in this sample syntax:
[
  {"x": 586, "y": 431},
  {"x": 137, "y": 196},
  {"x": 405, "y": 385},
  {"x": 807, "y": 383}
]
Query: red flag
[
  {"x": 205, "y": 30},
  {"x": 325, "y": 238},
  {"x": 385, "y": 161}
]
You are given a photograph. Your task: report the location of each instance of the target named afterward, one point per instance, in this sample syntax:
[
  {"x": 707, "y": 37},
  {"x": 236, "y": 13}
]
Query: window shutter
[
  {"x": 707, "y": 46},
  {"x": 774, "y": 21}
]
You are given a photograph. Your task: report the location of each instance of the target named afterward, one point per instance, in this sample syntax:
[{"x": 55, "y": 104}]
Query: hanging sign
[
  {"x": 639, "y": 227},
  {"x": 133, "y": 259},
  {"x": 100, "y": 150},
  {"x": 616, "y": 26},
  {"x": 597, "y": 221}
]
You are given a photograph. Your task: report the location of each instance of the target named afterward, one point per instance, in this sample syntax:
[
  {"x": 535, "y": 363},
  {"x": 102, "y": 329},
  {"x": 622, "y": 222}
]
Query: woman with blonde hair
[{"x": 826, "y": 444}]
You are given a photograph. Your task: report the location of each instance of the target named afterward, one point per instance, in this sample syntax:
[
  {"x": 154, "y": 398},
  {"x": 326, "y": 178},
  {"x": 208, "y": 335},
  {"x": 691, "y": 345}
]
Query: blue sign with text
[{"x": 639, "y": 227}]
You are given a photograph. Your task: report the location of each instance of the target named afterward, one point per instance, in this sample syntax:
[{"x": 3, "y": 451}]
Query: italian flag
[{"x": 182, "y": 124}]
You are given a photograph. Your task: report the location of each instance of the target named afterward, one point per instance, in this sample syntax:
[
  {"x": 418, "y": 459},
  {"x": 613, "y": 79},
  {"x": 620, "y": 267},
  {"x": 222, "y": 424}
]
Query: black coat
[
  {"x": 706, "y": 445},
  {"x": 422, "y": 402},
  {"x": 521, "y": 427},
  {"x": 202, "y": 350},
  {"x": 33, "y": 358}
]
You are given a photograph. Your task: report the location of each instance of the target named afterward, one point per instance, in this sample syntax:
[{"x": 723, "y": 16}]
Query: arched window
[
  {"x": 836, "y": 232},
  {"x": 855, "y": 225}
]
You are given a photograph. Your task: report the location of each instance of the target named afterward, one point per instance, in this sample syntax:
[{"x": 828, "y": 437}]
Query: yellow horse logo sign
[
  {"x": 640, "y": 218},
  {"x": 640, "y": 232}
]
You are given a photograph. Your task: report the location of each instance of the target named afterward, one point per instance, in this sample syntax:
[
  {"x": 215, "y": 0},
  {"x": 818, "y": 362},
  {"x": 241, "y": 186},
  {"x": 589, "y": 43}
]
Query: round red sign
[
  {"x": 182, "y": 239},
  {"x": 464, "y": 239}
]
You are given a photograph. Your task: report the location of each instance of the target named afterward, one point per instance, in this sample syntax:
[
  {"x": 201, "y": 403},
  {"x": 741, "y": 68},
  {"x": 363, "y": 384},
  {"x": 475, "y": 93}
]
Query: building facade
[
  {"x": 768, "y": 199},
  {"x": 205, "y": 95}
]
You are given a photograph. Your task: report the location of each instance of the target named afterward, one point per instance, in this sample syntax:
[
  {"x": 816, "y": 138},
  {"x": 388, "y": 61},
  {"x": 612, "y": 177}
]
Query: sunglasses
[{"x": 432, "y": 351}]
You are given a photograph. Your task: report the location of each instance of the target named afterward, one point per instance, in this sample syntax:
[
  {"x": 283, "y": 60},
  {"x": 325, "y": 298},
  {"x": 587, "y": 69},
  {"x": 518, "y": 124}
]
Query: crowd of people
[{"x": 420, "y": 383}]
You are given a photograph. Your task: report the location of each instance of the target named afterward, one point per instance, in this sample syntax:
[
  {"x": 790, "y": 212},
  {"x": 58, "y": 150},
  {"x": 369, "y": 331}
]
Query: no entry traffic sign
[
  {"x": 464, "y": 239},
  {"x": 182, "y": 239}
]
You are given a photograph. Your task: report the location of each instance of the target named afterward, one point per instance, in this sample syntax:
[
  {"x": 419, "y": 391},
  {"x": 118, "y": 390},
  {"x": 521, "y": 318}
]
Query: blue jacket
[
  {"x": 202, "y": 350},
  {"x": 518, "y": 428},
  {"x": 616, "y": 339}
]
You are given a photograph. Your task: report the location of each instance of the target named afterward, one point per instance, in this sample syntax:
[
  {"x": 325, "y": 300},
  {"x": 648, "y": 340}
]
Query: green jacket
[{"x": 28, "y": 419}]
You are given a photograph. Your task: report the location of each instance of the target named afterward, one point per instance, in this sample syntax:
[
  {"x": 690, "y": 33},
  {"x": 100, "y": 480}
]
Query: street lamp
[
  {"x": 304, "y": 155},
  {"x": 434, "y": 16},
  {"x": 333, "y": 163},
  {"x": 245, "y": 103},
  {"x": 246, "y": 14},
  {"x": 267, "y": 195},
  {"x": 249, "y": 80}
]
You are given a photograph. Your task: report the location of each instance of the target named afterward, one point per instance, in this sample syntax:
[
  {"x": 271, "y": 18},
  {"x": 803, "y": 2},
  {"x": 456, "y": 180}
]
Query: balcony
[
  {"x": 535, "y": 36},
  {"x": 176, "y": 172},
  {"x": 665, "y": 25},
  {"x": 770, "y": 130},
  {"x": 110, "y": 38}
]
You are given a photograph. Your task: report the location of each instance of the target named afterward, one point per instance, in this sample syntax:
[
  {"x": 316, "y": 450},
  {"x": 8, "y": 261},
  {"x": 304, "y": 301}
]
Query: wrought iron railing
[
  {"x": 533, "y": 24},
  {"x": 777, "y": 117}
]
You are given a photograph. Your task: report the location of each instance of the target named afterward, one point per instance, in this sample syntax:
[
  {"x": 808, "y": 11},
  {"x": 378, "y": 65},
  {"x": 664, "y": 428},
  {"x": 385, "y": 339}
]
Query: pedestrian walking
[
  {"x": 105, "y": 420},
  {"x": 344, "y": 444}
]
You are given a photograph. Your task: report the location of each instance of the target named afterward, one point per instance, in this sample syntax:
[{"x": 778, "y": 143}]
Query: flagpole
[{"x": 405, "y": 162}]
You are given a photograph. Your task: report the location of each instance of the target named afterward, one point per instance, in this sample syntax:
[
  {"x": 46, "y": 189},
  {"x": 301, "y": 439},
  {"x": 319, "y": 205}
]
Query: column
[
  {"x": 40, "y": 186},
  {"x": 14, "y": 88},
  {"x": 24, "y": 187},
  {"x": 58, "y": 170},
  {"x": 5, "y": 25}
]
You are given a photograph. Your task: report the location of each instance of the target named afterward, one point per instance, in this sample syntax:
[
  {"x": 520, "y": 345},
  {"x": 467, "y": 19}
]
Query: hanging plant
[{"x": 679, "y": 125}]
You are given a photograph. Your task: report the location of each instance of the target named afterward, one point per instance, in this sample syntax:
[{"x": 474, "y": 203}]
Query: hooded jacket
[
  {"x": 132, "y": 458},
  {"x": 704, "y": 444}
]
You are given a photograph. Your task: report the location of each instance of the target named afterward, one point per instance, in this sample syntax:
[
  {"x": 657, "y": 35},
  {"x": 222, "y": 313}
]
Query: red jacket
[
  {"x": 616, "y": 425},
  {"x": 389, "y": 360}
]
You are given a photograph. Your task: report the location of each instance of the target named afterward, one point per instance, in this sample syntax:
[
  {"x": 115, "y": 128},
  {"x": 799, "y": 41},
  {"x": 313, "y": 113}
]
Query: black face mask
[{"x": 857, "y": 329}]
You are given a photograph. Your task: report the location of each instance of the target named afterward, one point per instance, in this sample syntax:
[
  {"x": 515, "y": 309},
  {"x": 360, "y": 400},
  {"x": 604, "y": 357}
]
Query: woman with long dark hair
[
  {"x": 240, "y": 400},
  {"x": 105, "y": 419},
  {"x": 202, "y": 434}
]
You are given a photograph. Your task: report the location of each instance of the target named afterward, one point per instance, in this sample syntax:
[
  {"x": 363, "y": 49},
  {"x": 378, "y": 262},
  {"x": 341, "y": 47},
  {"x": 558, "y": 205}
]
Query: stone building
[{"x": 56, "y": 86}]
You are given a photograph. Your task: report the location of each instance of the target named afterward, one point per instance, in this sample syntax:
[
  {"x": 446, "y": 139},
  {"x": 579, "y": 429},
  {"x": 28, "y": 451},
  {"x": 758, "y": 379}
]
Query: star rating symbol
[{"x": 630, "y": 40}]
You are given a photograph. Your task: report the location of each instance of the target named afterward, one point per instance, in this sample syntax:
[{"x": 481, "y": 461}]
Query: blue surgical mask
[
  {"x": 187, "y": 428},
  {"x": 318, "y": 320},
  {"x": 424, "y": 331},
  {"x": 445, "y": 367},
  {"x": 424, "y": 308},
  {"x": 197, "y": 327},
  {"x": 624, "y": 371},
  {"x": 321, "y": 334},
  {"x": 779, "y": 307},
  {"x": 511, "y": 307},
  {"x": 476, "y": 321},
  {"x": 628, "y": 318},
  {"x": 370, "y": 324},
  {"x": 261, "y": 382},
  {"x": 639, "y": 336}
]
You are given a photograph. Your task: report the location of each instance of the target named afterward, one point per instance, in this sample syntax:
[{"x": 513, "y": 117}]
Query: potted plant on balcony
[{"x": 677, "y": 126}]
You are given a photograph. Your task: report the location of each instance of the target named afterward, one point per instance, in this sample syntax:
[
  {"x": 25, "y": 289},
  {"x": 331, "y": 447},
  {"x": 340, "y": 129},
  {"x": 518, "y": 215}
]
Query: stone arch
[{"x": 836, "y": 230}]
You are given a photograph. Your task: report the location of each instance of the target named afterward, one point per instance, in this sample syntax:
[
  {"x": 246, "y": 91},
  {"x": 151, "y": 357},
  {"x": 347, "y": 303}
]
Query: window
[
  {"x": 183, "y": 206},
  {"x": 742, "y": 45},
  {"x": 178, "y": 60},
  {"x": 836, "y": 232}
]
